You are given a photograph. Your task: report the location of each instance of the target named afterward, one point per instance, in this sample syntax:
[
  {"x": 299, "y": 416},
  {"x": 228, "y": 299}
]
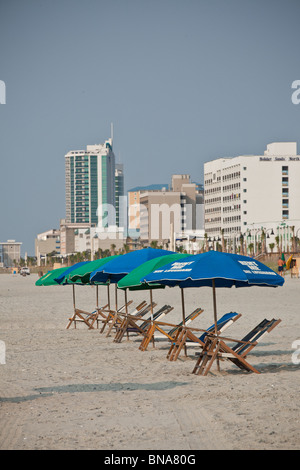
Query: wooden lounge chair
[
  {"x": 129, "y": 325},
  {"x": 185, "y": 334},
  {"x": 215, "y": 347},
  {"x": 170, "y": 334},
  {"x": 89, "y": 318},
  {"x": 129, "y": 319},
  {"x": 115, "y": 317}
]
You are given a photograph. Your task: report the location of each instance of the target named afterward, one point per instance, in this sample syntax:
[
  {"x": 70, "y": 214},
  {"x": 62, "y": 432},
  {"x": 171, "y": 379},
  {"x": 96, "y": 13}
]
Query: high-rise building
[
  {"x": 90, "y": 184},
  {"x": 119, "y": 188},
  {"x": 251, "y": 194}
]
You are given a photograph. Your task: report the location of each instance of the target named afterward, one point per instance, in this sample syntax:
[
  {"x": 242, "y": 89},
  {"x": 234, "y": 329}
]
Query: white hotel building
[{"x": 253, "y": 194}]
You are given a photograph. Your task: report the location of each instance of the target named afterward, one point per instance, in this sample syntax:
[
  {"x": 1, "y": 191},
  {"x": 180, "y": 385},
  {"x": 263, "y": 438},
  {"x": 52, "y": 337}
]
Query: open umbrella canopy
[
  {"x": 49, "y": 278},
  {"x": 117, "y": 268},
  {"x": 132, "y": 281},
  {"x": 81, "y": 275},
  {"x": 62, "y": 278},
  {"x": 215, "y": 269}
]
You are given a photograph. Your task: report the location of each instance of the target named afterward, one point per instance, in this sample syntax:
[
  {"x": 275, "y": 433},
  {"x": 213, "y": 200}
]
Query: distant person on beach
[{"x": 280, "y": 266}]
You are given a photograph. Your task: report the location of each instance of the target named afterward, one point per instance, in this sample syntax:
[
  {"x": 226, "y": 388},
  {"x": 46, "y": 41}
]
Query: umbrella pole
[
  {"x": 215, "y": 316},
  {"x": 215, "y": 306},
  {"x": 73, "y": 286},
  {"x": 126, "y": 310},
  {"x": 97, "y": 297},
  {"x": 116, "y": 297},
  {"x": 108, "y": 297},
  {"x": 151, "y": 303},
  {"x": 183, "y": 315}
]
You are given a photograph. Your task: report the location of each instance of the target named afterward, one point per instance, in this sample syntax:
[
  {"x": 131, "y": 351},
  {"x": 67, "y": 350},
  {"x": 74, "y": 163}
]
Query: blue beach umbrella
[
  {"x": 119, "y": 267},
  {"x": 62, "y": 278},
  {"x": 215, "y": 269}
]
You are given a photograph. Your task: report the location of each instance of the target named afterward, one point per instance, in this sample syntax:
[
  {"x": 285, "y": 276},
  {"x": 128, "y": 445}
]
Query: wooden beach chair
[
  {"x": 130, "y": 320},
  {"x": 89, "y": 318},
  {"x": 170, "y": 334},
  {"x": 215, "y": 347},
  {"x": 185, "y": 335},
  {"x": 130, "y": 324},
  {"x": 116, "y": 317}
]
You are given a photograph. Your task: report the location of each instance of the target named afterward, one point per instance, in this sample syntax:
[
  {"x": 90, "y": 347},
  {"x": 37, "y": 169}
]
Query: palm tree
[
  {"x": 277, "y": 239},
  {"x": 251, "y": 248},
  {"x": 263, "y": 242},
  {"x": 112, "y": 249},
  {"x": 241, "y": 243},
  {"x": 272, "y": 246},
  {"x": 223, "y": 240},
  {"x": 293, "y": 239},
  {"x": 206, "y": 242}
]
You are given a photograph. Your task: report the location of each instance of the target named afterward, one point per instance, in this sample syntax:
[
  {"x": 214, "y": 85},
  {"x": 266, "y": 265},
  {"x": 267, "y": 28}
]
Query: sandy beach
[{"x": 77, "y": 389}]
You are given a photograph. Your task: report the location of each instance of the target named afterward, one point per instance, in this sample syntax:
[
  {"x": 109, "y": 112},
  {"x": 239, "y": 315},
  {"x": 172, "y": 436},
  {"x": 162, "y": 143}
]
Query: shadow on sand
[{"x": 83, "y": 388}]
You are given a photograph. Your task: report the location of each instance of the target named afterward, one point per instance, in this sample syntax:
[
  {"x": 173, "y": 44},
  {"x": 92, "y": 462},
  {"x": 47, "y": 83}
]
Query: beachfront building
[
  {"x": 254, "y": 199},
  {"x": 134, "y": 204},
  {"x": 10, "y": 253},
  {"x": 166, "y": 212},
  {"x": 46, "y": 243},
  {"x": 91, "y": 240},
  {"x": 90, "y": 185}
]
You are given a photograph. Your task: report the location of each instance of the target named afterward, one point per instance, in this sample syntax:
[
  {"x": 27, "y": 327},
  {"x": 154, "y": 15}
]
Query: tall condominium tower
[
  {"x": 90, "y": 184},
  {"x": 119, "y": 185}
]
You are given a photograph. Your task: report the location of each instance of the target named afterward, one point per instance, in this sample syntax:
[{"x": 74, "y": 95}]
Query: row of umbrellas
[{"x": 151, "y": 268}]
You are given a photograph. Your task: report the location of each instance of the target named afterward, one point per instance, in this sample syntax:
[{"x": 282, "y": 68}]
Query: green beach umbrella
[
  {"x": 81, "y": 275},
  {"x": 132, "y": 281},
  {"x": 49, "y": 278}
]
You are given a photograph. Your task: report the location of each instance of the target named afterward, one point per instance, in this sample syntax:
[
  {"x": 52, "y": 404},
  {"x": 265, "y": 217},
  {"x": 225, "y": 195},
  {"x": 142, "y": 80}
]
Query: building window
[
  {"x": 285, "y": 203},
  {"x": 285, "y": 214}
]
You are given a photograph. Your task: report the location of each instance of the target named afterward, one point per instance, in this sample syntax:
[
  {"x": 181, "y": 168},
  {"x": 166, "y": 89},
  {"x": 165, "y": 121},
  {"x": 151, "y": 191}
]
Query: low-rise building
[{"x": 10, "y": 253}]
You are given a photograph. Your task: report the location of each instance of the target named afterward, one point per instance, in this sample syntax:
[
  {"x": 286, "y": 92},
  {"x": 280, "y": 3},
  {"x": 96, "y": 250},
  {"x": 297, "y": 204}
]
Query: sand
[{"x": 77, "y": 389}]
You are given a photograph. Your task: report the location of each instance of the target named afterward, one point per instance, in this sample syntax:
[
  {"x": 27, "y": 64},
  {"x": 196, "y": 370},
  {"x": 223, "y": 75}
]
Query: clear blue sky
[{"x": 183, "y": 81}]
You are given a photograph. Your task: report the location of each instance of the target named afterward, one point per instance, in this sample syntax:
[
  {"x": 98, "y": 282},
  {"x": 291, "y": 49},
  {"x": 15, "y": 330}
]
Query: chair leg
[
  {"x": 70, "y": 321},
  {"x": 173, "y": 344},
  {"x": 178, "y": 345},
  {"x": 114, "y": 320},
  {"x": 147, "y": 338},
  {"x": 121, "y": 331},
  {"x": 206, "y": 357}
]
